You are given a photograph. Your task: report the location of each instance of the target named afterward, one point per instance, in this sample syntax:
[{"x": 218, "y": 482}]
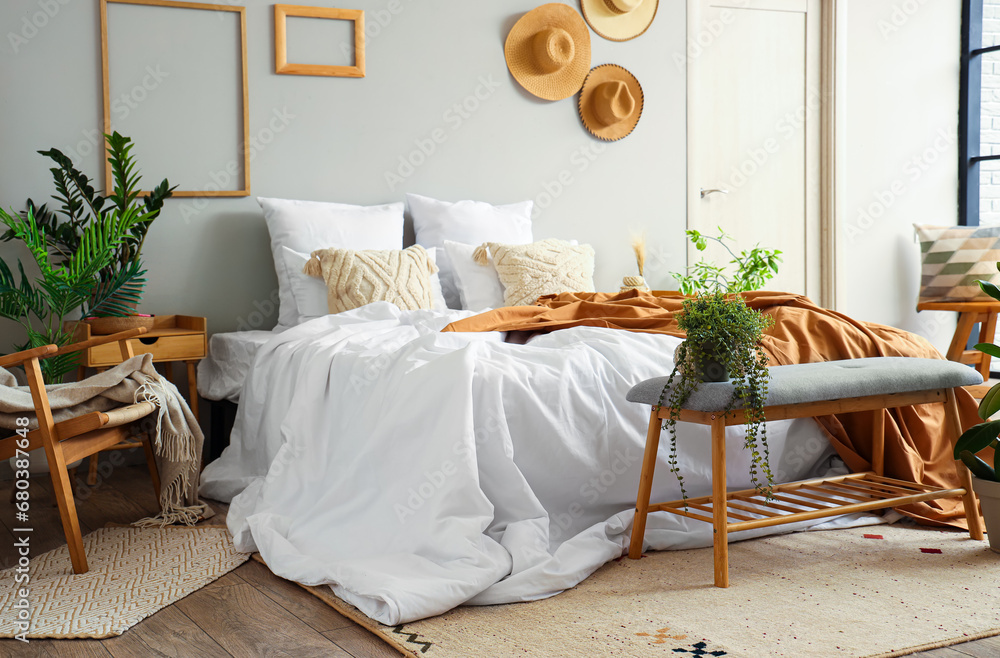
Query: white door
[{"x": 754, "y": 114}]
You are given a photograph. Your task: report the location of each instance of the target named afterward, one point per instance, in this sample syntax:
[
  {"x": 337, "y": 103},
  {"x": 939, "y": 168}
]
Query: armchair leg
[
  {"x": 92, "y": 471},
  {"x": 63, "y": 489},
  {"x": 154, "y": 474}
]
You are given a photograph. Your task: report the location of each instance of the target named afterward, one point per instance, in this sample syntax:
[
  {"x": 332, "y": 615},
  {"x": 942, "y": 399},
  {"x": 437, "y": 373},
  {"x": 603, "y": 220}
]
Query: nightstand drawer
[{"x": 163, "y": 348}]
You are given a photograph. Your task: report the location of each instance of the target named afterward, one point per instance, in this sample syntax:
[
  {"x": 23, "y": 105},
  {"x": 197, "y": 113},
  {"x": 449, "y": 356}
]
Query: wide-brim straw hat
[
  {"x": 610, "y": 102},
  {"x": 548, "y": 51},
  {"x": 619, "y": 20}
]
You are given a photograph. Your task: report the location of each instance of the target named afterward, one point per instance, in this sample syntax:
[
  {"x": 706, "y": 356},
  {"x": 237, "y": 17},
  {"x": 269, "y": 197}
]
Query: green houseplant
[
  {"x": 122, "y": 280},
  {"x": 88, "y": 261},
  {"x": 723, "y": 343},
  {"x": 982, "y": 437},
  {"x": 752, "y": 269}
]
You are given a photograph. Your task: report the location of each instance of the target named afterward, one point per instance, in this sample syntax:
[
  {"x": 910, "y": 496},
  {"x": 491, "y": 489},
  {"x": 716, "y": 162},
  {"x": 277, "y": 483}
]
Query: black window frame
[{"x": 969, "y": 112}]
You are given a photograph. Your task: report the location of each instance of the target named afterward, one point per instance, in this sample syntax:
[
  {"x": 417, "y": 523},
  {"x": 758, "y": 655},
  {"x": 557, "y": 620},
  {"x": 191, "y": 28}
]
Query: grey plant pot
[{"x": 989, "y": 498}]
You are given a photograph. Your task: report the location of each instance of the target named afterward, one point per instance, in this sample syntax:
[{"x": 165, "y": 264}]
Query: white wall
[
  {"x": 211, "y": 257},
  {"x": 346, "y": 134},
  {"x": 902, "y": 154}
]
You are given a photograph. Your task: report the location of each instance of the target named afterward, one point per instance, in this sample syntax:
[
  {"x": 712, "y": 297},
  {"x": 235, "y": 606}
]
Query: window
[{"x": 979, "y": 114}]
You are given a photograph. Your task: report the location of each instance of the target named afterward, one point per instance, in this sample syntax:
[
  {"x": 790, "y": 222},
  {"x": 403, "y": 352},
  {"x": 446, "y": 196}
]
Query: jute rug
[
  {"x": 875, "y": 591},
  {"x": 133, "y": 573}
]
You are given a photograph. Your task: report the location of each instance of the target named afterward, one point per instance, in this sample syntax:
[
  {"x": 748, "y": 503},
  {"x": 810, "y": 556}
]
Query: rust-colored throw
[{"x": 916, "y": 448}]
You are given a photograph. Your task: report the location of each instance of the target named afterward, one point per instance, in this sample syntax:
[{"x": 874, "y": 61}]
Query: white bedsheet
[
  {"x": 413, "y": 471},
  {"x": 230, "y": 357}
]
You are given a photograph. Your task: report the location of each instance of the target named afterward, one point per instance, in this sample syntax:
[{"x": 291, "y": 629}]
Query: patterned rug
[
  {"x": 876, "y": 591},
  {"x": 133, "y": 573}
]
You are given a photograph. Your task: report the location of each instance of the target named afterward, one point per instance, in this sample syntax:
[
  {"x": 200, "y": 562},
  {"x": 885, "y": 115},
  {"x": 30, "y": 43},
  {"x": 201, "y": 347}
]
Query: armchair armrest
[
  {"x": 101, "y": 340},
  {"x": 20, "y": 357}
]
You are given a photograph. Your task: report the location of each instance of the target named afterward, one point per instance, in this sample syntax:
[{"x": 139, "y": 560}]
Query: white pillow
[
  {"x": 310, "y": 293},
  {"x": 305, "y": 226},
  {"x": 468, "y": 222},
  {"x": 478, "y": 285}
]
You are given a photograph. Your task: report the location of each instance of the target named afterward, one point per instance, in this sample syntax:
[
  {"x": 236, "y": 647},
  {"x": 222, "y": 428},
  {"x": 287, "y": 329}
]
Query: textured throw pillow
[
  {"x": 469, "y": 222},
  {"x": 311, "y": 295},
  {"x": 355, "y": 278},
  {"x": 305, "y": 226},
  {"x": 541, "y": 268},
  {"x": 954, "y": 258}
]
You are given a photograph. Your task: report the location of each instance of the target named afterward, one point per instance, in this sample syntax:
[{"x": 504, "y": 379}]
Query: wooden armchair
[{"x": 78, "y": 437}]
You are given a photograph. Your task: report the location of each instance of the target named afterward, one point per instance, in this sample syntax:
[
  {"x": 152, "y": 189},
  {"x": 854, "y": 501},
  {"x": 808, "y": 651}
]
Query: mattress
[{"x": 230, "y": 355}]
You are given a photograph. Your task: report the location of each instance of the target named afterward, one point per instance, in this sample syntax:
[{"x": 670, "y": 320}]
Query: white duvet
[{"x": 413, "y": 471}]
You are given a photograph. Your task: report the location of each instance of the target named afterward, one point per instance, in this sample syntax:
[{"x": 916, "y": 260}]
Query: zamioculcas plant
[
  {"x": 89, "y": 260},
  {"x": 80, "y": 205}
]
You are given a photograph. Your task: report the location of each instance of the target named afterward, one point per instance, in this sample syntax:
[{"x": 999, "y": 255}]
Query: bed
[
  {"x": 416, "y": 460},
  {"x": 414, "y": 470}
]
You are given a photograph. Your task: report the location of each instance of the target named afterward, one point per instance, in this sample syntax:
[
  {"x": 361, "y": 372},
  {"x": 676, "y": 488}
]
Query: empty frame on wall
[
  {"x": 175, "y": 81},
  {"x": 281, "y": 63}
]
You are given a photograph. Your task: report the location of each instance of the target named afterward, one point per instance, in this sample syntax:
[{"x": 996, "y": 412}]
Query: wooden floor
[{"x": 249, "y": 612}]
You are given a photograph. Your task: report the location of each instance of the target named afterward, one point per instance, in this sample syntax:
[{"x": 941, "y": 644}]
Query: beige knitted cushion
[
  {"x": 355, "y": 278},
  {"x": 528, "y": 271}
]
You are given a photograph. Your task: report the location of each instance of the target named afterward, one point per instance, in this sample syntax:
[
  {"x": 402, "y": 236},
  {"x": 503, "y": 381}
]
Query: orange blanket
[{"x": 916, "y": 447}]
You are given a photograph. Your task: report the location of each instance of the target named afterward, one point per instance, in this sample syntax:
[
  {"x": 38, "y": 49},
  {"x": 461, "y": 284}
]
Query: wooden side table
[
  {"x": 173, "y": 338},
  {"x": 969, "y": 313}
]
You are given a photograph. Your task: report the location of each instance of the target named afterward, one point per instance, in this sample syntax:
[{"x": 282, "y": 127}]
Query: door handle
[{"x": 705, "y": 193}]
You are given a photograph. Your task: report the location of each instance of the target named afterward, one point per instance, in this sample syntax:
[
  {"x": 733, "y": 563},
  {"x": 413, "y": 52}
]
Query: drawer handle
[{"x": 150, "y": 340}]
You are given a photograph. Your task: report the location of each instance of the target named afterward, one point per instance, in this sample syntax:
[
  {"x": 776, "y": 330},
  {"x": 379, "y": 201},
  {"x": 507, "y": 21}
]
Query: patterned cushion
[
  {"x": 528, "y": 271},
  {"x": 355, "y": 278},
  {"x": 954, "y": 259}
]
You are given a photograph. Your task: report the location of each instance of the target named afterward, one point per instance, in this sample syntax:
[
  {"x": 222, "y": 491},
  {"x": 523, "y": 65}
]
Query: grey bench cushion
[{"x": 830, "y": 380}]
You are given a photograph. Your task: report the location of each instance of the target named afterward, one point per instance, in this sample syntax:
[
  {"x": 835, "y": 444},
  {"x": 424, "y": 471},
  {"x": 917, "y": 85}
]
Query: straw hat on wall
[
  {"x": 610, "y": 102},
  {"x": 619, "y": 20},
  {"x": 548, "y": 51}
]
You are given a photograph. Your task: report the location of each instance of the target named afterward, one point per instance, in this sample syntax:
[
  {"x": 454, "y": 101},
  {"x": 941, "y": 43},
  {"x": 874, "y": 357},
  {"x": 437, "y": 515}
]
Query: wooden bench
[{"x": 800, "y": 391}]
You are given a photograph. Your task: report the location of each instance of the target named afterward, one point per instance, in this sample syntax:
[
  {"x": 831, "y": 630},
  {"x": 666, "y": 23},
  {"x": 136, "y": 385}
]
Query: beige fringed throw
[{"x": 177, "y": 438}]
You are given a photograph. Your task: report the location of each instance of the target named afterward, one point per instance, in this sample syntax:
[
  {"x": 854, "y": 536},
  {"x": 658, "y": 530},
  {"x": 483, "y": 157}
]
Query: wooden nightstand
[{"x": 172, "y": 338}]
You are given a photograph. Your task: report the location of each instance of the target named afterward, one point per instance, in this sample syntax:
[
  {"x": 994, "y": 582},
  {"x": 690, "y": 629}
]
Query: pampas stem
[{"x": 639, "y": 247}]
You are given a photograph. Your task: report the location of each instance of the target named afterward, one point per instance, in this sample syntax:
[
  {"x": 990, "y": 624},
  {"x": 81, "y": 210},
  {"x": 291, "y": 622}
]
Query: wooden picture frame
[
  {"x": 105, "y": 74},
  {"x": 281, "y": 63}
]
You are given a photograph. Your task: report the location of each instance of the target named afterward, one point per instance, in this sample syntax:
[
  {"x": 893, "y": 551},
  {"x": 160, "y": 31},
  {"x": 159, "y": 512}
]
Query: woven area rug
[
  {"x": 875, "y": 591},
  {"x": 134, "y": 572}
]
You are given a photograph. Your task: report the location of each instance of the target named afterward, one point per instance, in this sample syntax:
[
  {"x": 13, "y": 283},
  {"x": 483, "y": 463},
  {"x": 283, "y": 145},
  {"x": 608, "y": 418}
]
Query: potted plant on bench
[
  {"x": 723, "y": 344},
  {"x": 982, "y": 437}
]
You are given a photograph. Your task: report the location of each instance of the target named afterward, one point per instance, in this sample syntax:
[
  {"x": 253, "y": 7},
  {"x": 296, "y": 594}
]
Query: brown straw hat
[
  {"x": 619, "y": 20},
  {"x": 610, "y": 102},
  {"x": 548, "y": 51}
]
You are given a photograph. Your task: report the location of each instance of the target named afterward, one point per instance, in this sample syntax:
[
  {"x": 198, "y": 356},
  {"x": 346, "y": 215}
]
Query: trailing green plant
[
  {"x": 753, "y": 268},
  {"x": 984, "y": 435},
  {"x": 87, "y": 253},
  {"x": 81, "y": 206},
  {"x": 723, "y": 339}
]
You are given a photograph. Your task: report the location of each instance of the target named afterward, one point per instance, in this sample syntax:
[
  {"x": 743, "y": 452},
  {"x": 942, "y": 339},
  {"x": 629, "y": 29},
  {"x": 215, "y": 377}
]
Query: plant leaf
[
  {"x": 990, "y": 404},
  {"x": 977, "y": 437}
]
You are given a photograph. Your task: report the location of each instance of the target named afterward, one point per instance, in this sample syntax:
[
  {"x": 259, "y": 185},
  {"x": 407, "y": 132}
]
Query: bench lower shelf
[{"x": 808, "y": 499}]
